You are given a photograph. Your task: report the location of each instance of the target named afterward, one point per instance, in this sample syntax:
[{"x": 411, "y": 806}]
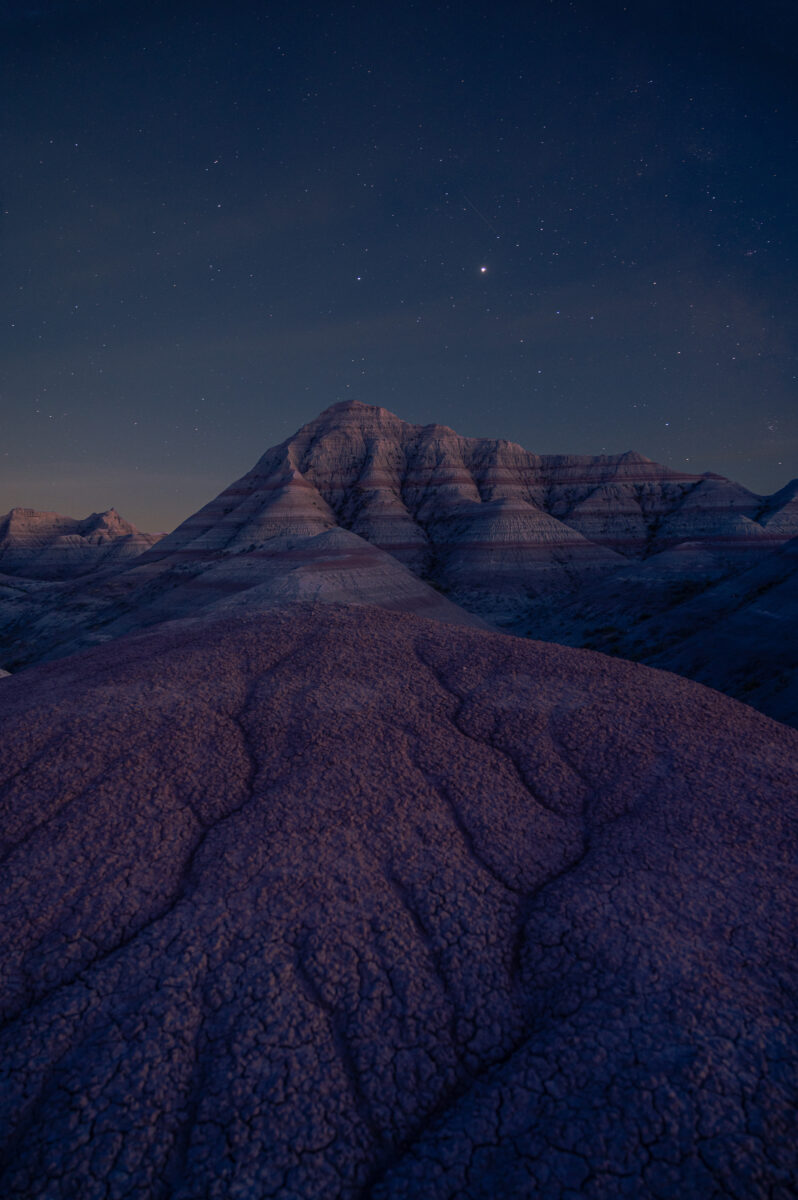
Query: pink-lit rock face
[
  {"x": 336, "y": 902},
  {"x": 45, "y": 545}
]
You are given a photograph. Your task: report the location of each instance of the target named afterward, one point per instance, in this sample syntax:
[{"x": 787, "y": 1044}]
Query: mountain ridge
[
  {"x": 46, "y": 545},
  {"x": 459, "y": 510},
  {"x": 360, "y": 506}
]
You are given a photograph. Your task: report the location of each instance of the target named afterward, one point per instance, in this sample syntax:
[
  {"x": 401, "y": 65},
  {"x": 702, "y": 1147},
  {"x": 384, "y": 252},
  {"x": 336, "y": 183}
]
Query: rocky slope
[
  {"x": 39, "y": 621},
  {"x": 435, "y": 502},
  {"x": 342, "y": 903},
  {"x": 486, "y": 521},
  {"x": 733, "y": 630},
  {"x": 359, "y": 506},
  {"x": 45, "y": 545},
  {"x": 780, "y": 511}
]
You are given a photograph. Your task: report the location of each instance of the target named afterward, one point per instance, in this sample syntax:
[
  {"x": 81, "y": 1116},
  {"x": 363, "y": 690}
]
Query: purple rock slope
[{"x": 335, "y": 903}]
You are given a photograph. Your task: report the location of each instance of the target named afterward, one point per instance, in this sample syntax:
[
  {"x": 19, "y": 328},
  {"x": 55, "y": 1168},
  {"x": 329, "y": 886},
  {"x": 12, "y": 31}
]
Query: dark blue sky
[{"x": 218, "y": 219}]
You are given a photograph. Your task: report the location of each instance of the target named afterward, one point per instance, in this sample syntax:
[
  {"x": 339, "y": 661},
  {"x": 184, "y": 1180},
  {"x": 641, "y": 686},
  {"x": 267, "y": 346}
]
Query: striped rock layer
[
  {"x": 472, "y": 514},
  {"x": 45, "y": 545}
]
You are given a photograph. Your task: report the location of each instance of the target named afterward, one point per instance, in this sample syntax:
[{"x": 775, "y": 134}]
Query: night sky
[{"x": 568, "y": 224}]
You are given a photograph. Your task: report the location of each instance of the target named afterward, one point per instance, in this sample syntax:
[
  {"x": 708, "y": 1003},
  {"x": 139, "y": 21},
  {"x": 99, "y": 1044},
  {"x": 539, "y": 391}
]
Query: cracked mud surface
[{"x": 344, "y": 903}]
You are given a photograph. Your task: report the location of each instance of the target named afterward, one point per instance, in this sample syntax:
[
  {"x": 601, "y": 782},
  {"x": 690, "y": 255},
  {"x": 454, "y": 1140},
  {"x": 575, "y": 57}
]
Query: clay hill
[
  {"x": 485, "y": 521},
  {"x": 45, "y": 545},
  {"x": 609, "y": 552},
  {"x": 334, "y": 902}
]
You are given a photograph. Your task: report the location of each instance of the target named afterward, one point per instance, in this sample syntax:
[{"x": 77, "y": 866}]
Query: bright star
[{"x": 483, "y": 270}]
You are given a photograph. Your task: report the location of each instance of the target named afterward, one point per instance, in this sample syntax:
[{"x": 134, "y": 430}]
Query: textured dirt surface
[{"x": 342, "y": 903}]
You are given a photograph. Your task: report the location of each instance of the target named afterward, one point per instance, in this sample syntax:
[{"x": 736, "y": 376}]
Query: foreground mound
[{"x": 338, "y": 903}]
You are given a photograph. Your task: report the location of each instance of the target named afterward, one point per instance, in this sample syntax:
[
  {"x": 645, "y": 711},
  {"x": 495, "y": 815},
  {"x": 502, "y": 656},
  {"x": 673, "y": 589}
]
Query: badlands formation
[
  {"x": 614, "y": 553},
  {"x": 485, "y": 520},
  {"x": 45, "y": 545},
  {"x": 333, "y": 902},
  {"x": 605, "y": 552},
  {"x": 306, "y": 895}
]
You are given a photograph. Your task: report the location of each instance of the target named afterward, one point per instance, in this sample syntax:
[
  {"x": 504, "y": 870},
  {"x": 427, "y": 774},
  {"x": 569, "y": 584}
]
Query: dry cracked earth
[{"x": 343, "y": 903}]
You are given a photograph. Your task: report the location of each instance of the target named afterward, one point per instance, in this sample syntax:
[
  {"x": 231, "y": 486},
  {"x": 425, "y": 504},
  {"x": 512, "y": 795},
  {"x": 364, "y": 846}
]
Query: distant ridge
[{"x": 46, "y": 545}]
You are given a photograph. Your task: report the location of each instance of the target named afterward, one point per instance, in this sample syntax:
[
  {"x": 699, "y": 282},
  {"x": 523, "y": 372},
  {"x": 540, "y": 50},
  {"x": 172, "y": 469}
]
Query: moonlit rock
[
  {"x": 335, "y": 902},
  {"x": 332, "y": 566}
]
